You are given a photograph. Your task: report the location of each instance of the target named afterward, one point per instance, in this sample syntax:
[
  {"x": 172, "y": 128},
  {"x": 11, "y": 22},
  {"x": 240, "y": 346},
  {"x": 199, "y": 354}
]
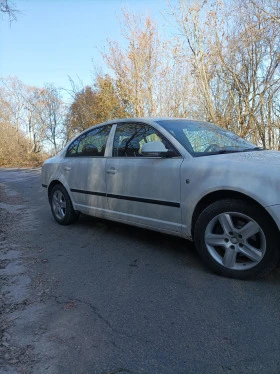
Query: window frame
[
  {"x": 82, "y": 136},
  {"x": 157, "y": 132}
]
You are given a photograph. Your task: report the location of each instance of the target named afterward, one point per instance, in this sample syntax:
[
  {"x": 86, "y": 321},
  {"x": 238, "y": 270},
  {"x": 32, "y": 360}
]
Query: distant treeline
[{"x": 221, "y": 64}]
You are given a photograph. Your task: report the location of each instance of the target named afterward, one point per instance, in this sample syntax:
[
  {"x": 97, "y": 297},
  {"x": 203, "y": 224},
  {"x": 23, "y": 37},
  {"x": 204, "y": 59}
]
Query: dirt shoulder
[{"x": 14, "y": 356}]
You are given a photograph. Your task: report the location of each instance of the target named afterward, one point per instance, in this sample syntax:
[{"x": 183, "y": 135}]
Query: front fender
[{"x": 200, "y": 178}]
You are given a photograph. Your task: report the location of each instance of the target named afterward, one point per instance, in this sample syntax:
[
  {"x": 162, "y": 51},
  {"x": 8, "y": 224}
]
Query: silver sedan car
[{"x": 186, "y": 178}]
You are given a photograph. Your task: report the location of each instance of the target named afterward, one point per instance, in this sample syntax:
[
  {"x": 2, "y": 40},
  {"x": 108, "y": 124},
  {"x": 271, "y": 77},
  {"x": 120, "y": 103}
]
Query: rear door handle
[
  {"x": 67, "y": 168},
  {"x": 111, "y": 171}
]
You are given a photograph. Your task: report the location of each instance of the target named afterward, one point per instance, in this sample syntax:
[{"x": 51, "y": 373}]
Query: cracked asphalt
[{"x": 101, "y": 297}]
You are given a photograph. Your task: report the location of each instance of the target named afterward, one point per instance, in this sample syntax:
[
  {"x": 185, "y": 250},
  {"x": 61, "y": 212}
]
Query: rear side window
[
  {"x": 92, "y": 143},
  {"x": 72, "y": 149}
]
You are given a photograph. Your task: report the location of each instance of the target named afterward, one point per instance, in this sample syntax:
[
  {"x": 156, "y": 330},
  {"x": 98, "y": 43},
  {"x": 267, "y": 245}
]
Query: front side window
[
  {"x": 129, "y": 139},
  {"x": 92, "y": 143}
]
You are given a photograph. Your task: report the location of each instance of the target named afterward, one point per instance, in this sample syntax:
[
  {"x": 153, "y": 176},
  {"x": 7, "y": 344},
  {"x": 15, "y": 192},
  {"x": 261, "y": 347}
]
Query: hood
[
  {"x": 254, "y": 173},
  {"x": 255, "y": 157}
]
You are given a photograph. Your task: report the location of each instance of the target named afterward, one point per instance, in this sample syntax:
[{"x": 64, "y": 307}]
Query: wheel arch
[
  {"x": 51, "y": 186},
  {"x": 222, "y": 195}
]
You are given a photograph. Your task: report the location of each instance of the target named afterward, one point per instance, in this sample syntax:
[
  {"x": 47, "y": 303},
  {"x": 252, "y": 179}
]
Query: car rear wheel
[
  {"x": 235, "y": 239},
  {"x": 61, "y": 206}
]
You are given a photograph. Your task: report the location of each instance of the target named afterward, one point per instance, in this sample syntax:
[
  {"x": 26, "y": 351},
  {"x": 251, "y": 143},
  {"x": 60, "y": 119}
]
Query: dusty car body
[{"x": 180, "y": 177}]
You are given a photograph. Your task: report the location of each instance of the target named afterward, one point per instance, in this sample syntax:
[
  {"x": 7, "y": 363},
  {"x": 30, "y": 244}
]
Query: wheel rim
[
  {"x": 59, "y": 204},
  {"x": 235, "y": 241}
]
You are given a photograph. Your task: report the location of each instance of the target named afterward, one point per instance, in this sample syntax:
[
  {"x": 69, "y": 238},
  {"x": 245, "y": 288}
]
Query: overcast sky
[{"x": 52, "y": 39}]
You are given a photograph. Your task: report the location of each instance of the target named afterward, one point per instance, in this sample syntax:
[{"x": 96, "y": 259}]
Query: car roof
[
  {"x": 144, "y": 119},
  {"x": 148, "y": 120}
]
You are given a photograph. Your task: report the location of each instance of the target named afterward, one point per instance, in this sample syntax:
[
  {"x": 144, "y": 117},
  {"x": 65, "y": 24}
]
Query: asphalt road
[{"x": 101, "y": 297}]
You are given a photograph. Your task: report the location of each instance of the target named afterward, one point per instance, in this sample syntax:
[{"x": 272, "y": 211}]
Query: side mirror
[{"x": 156, "y": 149}]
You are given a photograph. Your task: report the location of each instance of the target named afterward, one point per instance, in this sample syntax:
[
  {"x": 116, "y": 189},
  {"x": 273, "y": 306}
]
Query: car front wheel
[
  {"x": 61, "y": 206},
  {"x": 236, "y": 239}
]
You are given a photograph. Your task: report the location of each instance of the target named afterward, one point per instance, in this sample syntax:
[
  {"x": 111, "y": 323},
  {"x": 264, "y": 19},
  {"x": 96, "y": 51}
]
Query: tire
[
  {"x": 236, "y": 239},
  {"x": 61, "y": 206}
]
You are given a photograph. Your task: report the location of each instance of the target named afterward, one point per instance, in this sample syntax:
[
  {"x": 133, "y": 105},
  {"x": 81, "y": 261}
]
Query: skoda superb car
[{"x": 186, "y": 178}]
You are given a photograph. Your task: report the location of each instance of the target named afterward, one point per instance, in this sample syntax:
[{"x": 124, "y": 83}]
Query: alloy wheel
[
  {"x": 235, "y": 241},
  {"x": 59, "y": 204}
]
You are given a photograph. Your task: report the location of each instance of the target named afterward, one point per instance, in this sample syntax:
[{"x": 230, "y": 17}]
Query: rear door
[
  {"x": 84, "y": 170},
  {"x": 143, "y": 190}
]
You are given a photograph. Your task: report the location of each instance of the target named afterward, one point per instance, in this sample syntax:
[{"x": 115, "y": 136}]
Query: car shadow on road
[
  {"x": 181, "y": 251},
  {"x": 162, "y": 241}
]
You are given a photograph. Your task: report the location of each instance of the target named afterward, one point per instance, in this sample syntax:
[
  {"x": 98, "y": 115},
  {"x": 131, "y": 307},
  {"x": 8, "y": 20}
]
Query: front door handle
[{"x": 67, "y": 168}]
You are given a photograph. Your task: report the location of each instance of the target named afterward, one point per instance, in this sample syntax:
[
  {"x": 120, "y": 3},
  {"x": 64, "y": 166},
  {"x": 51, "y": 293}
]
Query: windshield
[{"x": 203, "y": 138}]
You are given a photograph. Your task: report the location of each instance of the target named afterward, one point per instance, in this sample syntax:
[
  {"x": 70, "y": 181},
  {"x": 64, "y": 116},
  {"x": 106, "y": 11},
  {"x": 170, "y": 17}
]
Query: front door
[{"x": 143, "y": 190}]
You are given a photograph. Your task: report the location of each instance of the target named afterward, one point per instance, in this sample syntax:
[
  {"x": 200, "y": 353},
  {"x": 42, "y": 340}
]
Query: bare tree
[
  {"x": 137, "y": 67},
  {"x": 269, "y": 8},
  {"x": 16, "y": 147},
  {"x": 38, "y": 113},
  {"x": 12, "y": 104},
  {"x": 151, "y": 73},
  {"x": 235, "y": 59},
  {"x": 9, "y": 9},
  {"x": 50, "y": 111}
]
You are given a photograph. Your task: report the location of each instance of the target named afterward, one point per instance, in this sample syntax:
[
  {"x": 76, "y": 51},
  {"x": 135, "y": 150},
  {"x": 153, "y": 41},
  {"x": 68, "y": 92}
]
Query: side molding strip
[
  {"x": 88, "y": 192},
  {"x": 130, "y": 198}
]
